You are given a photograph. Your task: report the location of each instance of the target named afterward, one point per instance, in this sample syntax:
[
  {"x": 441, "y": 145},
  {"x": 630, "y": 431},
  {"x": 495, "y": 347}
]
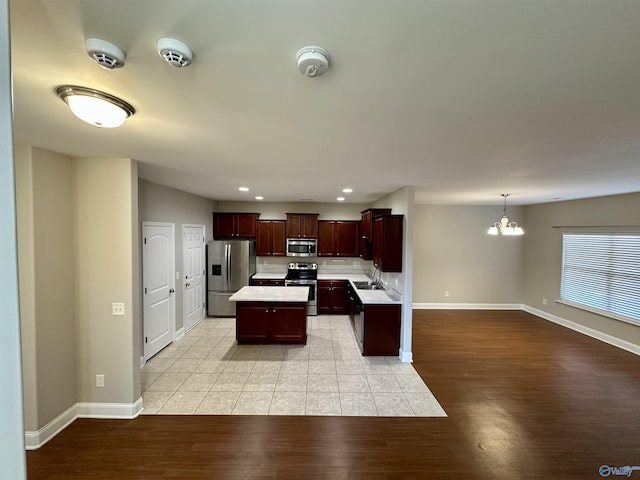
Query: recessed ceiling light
[
  {"x": 347, "y": 190},
  {"x": 259, "y": 197},
  {"x": 340, "y": 199},
  {"x": 244, "y": 189}
]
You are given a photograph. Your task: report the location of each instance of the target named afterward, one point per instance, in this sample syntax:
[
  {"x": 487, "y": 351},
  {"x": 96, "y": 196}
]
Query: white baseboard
[
  {"x": 179, "y": 334},
  {"x": 406, "y": 356},
  {"x": 35, "y": 440},
  {"x": 467, "y": 306},
  {"x": 603, "y": 337}
]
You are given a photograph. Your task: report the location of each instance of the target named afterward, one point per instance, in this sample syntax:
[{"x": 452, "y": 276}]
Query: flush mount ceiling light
[
  {"x": 95, "y": 107},
  {"x": 106, "y": 54},
  {"x": 243, "y": 189},
  {"x": 504, "y": 226},
  {"x": 312, "y": 61},
  {"x": 175, "y": 53}
]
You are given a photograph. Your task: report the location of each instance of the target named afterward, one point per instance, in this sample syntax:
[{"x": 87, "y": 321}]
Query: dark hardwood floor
[{"x": 526, "y": 399}]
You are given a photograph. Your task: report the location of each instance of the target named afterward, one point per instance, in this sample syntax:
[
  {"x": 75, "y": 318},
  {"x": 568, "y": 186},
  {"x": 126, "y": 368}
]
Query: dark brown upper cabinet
[
  {"x": 302, "y": 225},
  {"x": 270, "y": 238},
  {"x": 387, "y": 242},
  {"x": 234, "y": 225},
  {"x": 338, "y": 238}
]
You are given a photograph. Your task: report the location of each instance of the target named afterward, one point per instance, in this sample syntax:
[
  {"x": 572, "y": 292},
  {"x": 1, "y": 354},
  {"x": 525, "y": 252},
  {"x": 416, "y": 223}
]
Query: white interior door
[
  {"x": 158, "y": 270},
  {"x": 194, "y": 271}
]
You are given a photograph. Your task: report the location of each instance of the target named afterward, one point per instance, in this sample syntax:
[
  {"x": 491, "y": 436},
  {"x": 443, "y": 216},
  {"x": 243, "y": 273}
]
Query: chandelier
[{"x": 504, "y": 226}]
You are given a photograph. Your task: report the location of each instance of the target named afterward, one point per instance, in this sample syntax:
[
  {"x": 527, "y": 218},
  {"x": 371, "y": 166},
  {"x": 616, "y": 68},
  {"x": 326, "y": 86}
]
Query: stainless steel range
[{"x": 302, "y": 274}]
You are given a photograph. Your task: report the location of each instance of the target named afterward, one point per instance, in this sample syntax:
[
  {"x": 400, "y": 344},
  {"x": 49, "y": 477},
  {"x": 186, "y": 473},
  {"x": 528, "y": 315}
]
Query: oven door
[
  {"x": 301, "y": 283},
  {"x": 312, "y": 285}
]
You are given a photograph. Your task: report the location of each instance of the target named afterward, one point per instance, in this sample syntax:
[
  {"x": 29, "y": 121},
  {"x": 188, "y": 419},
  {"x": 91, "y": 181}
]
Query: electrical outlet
[
  {"x": 544, "y": 301},
  {"x": 177, "y": 275},
  {"x": 446, "y": 293},
  {"x": 117, "y": 309},
  {"x": 99, "y": 380}
]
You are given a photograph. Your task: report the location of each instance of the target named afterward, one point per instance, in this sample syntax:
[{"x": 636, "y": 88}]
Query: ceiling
[{"x": 464, "y": 99}]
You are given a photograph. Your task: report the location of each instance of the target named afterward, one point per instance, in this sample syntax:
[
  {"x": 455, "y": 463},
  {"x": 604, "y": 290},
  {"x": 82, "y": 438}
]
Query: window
[{"x": 602, "y": 272}]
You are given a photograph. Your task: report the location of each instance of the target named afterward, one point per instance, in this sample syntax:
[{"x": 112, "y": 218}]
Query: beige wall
[
  {"x": 26, "y": 280},
  {"x": 278, "y": 210},
  {"x": 452, "y": 252},
  {"x": 78, "y": 238},
  {"x": 46, "y": 246},
  {"x": 46, "y": 256},
  {"x": 105, "y": 264},
  {"x": 158, "y": 203},
  {"x": 543, "y": 253}
]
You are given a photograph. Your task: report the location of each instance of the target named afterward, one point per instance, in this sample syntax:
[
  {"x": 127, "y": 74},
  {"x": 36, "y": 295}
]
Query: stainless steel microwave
[{"x": 301, "y": 247}]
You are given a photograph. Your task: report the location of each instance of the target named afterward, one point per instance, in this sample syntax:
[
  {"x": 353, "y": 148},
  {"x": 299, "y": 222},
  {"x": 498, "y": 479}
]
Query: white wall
[{"x": 12, "y": 455}]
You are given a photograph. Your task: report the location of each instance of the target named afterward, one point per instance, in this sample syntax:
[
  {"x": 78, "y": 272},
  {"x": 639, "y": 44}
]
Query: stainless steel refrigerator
[{"x": 230, "y": 265}]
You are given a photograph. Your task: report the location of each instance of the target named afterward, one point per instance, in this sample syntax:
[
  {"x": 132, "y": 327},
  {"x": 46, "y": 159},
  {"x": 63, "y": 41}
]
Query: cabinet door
[
  {"x": 288, "y": 323},
  {"x": 278, "y": 239},
  {"x": 326, "y": 238},
  {"x": 387, "y": 243},
  {"x": 252, "y": 323},
  {"x": 346, "y": 239},
  {"x": 381, "y": 330},
  {"x": 263, "y": 238},
  {"x": 309, "y": 226},
  {"x": 223, "y": 225},
  {"x": 246, "y": 225},
  {"x": 293, "y": 225},
  {"x": 324, "y": 296},
  {"x": 339, "y": 298},
  {"x": 365, "y": 225}
]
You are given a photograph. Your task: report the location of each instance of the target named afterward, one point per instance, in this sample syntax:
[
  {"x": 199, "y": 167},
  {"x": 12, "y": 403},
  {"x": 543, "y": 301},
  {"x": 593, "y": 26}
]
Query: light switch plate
[{"x": 117, "y": 309}]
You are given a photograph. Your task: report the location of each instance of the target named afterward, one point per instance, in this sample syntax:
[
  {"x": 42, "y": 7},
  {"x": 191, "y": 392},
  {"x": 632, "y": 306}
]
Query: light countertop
[
  {"x": 388, "y": 296},
  {"x": 270, "y": 276},
  {"x": 270, "y": 294}
]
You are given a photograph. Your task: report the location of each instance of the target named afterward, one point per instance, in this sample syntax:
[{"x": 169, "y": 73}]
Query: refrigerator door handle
[{"x": 227, "y": 256}]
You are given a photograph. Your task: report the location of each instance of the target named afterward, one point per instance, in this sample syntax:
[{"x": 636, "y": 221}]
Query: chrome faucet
[{"x": 376, "y": 275}]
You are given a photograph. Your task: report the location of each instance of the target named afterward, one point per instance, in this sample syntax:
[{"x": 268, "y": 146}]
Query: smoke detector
[
  {"x": 106, "y": 54},
  {"x": 312, "y": 61},
  {"x": 176, "y": 53}
]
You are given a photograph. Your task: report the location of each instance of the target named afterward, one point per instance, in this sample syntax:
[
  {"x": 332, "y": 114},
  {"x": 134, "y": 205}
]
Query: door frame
[
  {"x": 172, "y": 272},
  {"x": 203, "y": 266}
]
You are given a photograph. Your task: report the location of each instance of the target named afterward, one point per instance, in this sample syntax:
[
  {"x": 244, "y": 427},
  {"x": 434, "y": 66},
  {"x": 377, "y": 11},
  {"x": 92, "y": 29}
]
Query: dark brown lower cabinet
[
  {"x": 271, "y": 322},
  {"x": 332, "y": 296},
  {"x": 381, "y": 330}
]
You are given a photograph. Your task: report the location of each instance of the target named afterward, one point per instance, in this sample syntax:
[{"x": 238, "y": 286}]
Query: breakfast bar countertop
[{"x": 270, "y": 294}]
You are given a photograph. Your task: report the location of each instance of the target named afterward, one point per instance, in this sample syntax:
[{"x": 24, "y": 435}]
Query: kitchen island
[{"x": 266, "y": 314}]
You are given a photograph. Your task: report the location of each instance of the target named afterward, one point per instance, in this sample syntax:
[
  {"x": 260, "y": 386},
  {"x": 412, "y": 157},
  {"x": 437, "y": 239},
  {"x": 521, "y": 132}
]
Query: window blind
[{"x": 602, "y": 271}]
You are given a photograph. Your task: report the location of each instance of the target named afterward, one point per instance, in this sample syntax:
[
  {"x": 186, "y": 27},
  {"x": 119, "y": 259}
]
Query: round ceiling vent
[
  {"x": 312, "y": 61},
  {"x": 176, "y": 53},
  {"x": 106, "y": 54}
]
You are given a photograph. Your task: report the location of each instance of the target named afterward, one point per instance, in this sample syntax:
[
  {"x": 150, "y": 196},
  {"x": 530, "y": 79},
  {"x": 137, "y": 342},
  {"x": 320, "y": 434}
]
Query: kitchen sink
[{"x": 368, "y": 286}]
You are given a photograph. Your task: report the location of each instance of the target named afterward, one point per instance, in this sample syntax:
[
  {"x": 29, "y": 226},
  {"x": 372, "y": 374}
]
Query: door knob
[
  {"x": 187, "y": 285},
  {"x": 171, "y": 290}
]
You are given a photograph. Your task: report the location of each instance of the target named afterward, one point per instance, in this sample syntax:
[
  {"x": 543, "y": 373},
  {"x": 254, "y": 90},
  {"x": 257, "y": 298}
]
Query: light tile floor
[{"x": 205, "y": 372}]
